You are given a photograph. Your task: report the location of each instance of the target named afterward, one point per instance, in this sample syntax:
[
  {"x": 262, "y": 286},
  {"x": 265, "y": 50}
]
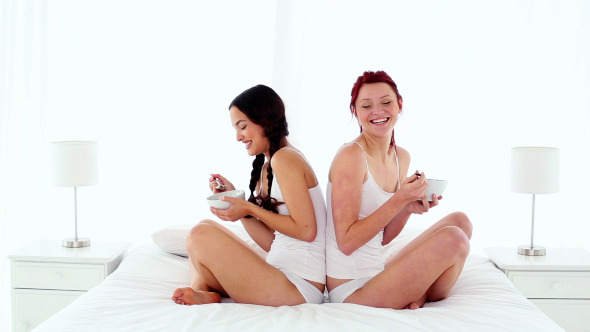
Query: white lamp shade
[
  {"x": 535, "y": 170},
  {"x": 74, "y": 163}
]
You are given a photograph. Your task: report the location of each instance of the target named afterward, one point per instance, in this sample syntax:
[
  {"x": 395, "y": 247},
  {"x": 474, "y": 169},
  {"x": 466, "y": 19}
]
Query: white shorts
[
  {"x": 309, "y": 292},
  {"x": 340, "y": 293}
]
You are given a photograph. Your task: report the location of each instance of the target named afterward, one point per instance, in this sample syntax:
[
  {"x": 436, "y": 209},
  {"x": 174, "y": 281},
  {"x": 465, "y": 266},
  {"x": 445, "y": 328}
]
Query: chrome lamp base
[
  {"x": 71, "y": 242},
  {"x": 532, "y": 249},
  {"x": 529, "y": 250},
  {"x": 75, "y": 242}
]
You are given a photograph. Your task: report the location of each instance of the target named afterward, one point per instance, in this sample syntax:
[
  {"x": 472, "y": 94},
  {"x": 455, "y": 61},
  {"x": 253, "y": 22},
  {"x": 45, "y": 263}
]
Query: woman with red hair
[{"x": 369, "y": 201}]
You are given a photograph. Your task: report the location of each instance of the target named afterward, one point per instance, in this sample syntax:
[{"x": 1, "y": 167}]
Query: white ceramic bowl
[
  {"x": 214, "y": 201},
  {"x": 435, "y": 187}
]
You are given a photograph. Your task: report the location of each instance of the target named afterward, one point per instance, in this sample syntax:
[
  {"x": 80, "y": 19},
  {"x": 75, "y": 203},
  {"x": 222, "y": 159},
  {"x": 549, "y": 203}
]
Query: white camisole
[
  {"x": 366, "y": 261},
  {"x": 305, "y": 259}
]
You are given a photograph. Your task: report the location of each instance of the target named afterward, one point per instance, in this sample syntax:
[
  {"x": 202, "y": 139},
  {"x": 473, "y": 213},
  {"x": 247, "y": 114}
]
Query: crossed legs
[
  {"x": 424, "y": 270},
  {"x": 224, "y": 265}
]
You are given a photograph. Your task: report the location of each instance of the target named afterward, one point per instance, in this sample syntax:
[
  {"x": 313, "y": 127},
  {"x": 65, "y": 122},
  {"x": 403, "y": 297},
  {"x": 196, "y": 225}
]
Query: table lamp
[
  {"x": 75, "y": 165},
  {"x": 535, "y": 170}
]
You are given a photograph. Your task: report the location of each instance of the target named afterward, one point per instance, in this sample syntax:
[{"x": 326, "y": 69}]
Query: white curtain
[
  {"x": 151, "y": 82},
  {"x": 23, "y": 104},
  {"x": 477, "y": 79}
]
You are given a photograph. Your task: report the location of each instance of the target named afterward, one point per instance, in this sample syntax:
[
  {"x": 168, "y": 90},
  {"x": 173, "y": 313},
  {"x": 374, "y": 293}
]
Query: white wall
[{"x": 151, "y": 82}]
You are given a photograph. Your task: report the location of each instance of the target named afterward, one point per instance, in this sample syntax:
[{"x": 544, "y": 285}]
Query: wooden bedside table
[
  {"x": 558, "y": 283},
  {"x": 46, "y": 277}
]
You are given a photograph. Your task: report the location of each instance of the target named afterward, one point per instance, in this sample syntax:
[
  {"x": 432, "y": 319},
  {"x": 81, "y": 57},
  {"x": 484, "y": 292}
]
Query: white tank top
[
  {"x": 305, "y": 259},
  {"x": 366, "y": 261}
]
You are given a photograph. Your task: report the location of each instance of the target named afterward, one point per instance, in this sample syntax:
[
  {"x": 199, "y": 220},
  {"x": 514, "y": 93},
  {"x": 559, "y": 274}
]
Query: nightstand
[
  {"x": 557, "y": 283},
  {"x": 46, "y": 277}
]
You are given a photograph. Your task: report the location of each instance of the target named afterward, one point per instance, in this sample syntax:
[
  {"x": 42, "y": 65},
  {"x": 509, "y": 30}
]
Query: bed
[{"x": 136, "y": 297}]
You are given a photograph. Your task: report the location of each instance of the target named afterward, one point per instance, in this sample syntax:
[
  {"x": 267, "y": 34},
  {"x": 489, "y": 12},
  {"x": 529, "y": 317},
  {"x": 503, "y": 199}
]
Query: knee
[
  {"x": 199, "y": 235},
  {"x": 460, "y": 219},
  {"x": 457, "y": 241}
]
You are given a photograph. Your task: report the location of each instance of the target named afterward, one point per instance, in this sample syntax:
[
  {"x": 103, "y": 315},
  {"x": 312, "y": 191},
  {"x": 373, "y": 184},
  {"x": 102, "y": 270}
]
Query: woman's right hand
[
  {"x": 213, "y": 184},
  {"x": 413, "y": 188}
]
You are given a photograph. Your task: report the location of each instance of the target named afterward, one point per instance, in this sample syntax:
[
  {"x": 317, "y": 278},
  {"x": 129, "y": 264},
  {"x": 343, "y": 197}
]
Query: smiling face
[
  {"x": 377, "y": 108},
  {"x": 248, "y": 132}
]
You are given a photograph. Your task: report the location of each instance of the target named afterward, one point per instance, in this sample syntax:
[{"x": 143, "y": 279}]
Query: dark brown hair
[{"x": 263, "y": 106}]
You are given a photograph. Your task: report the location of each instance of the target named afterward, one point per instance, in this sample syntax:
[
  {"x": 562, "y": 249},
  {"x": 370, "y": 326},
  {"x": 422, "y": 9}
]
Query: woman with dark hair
[
  {"x": 285, "y": 214},
  {"x": 369, "y": 201}
]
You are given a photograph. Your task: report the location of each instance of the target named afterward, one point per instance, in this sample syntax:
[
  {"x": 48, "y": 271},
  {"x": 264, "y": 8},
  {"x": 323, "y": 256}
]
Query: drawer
[
  {"x": 552, "y": 285},
  {"x": 56, "y": 275},
  {"x": 32, "y": 306},
  {"x": 572, "y": 315}
]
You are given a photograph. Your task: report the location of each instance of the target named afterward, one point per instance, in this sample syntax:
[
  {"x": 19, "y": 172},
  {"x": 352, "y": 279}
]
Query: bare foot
[
  {"x": 413, "y": 306},
  {"x": 417, "y": 304},
  {"x": 189, "y": 296}
]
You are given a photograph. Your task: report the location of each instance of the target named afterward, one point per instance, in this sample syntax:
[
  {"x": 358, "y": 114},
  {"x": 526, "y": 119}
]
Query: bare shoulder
[
  {"x": 291, "y": 164},
  {"x": 404, "y": 160},
  {"x": 350, "y": 152},
  {"x": 350, "y": 158},
  {"x": 403, "y": 153},
  {"x": 287, "y": 158}
]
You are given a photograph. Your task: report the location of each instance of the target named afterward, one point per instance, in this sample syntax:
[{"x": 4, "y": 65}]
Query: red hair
[{"x": 373, "y": 77}]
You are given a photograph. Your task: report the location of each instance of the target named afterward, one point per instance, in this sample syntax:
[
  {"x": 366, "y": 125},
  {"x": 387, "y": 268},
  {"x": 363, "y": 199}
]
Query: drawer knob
[{"x": 557, "y": 286}]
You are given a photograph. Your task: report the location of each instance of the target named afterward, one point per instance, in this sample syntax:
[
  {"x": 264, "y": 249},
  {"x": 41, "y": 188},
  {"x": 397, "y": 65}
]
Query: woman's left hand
[
  {"x": 422, "y": 206},
  {"x": 238, "y": 209}
]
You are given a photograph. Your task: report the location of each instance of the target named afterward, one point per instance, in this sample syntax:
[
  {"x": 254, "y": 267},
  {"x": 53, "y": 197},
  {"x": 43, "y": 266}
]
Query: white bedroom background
[{"x": 151, "y": 82}]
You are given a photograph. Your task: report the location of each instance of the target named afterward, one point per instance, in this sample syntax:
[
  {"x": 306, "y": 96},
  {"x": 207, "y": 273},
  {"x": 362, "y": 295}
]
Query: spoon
[{"x": 220, "y": 185}]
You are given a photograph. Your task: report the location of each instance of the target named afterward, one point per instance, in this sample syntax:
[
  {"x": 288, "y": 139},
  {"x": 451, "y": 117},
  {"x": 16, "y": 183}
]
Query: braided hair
[{"x": 263, "y": 106}]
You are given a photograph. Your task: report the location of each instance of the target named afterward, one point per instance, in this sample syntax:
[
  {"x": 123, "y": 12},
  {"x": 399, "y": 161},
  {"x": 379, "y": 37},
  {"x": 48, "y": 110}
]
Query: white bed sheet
[{"x": 136, "y": 297}]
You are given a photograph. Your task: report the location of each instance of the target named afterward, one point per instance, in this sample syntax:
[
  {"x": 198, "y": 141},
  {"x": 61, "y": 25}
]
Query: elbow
[
  {"x": 309, "y": 234},
  {"x": 346, "y": 249},
  {"x": 346, "y": 244}
]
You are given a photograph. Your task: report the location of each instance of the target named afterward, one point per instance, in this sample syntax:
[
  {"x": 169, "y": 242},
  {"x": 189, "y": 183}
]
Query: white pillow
[{"x": 172, "y": 239}]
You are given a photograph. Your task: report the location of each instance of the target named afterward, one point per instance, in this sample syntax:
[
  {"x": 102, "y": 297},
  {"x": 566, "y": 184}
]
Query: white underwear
[
  {"x": 340, "y": 293},
  {"x": 309, "y": 292}
]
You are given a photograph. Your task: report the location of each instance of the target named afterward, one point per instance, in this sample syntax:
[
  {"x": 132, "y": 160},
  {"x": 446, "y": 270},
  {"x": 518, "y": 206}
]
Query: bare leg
[
  {"x": 199, "y": 292},
  {"x": 197, "y": 281},
  {"x": 228, "y": 266},
  {"x": 427, "y": 271},
  {"x": 458, "y": 219}
]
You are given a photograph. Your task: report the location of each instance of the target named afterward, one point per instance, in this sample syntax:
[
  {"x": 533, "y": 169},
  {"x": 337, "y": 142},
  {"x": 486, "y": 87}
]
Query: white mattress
[{"x": 136, "y": 297}]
